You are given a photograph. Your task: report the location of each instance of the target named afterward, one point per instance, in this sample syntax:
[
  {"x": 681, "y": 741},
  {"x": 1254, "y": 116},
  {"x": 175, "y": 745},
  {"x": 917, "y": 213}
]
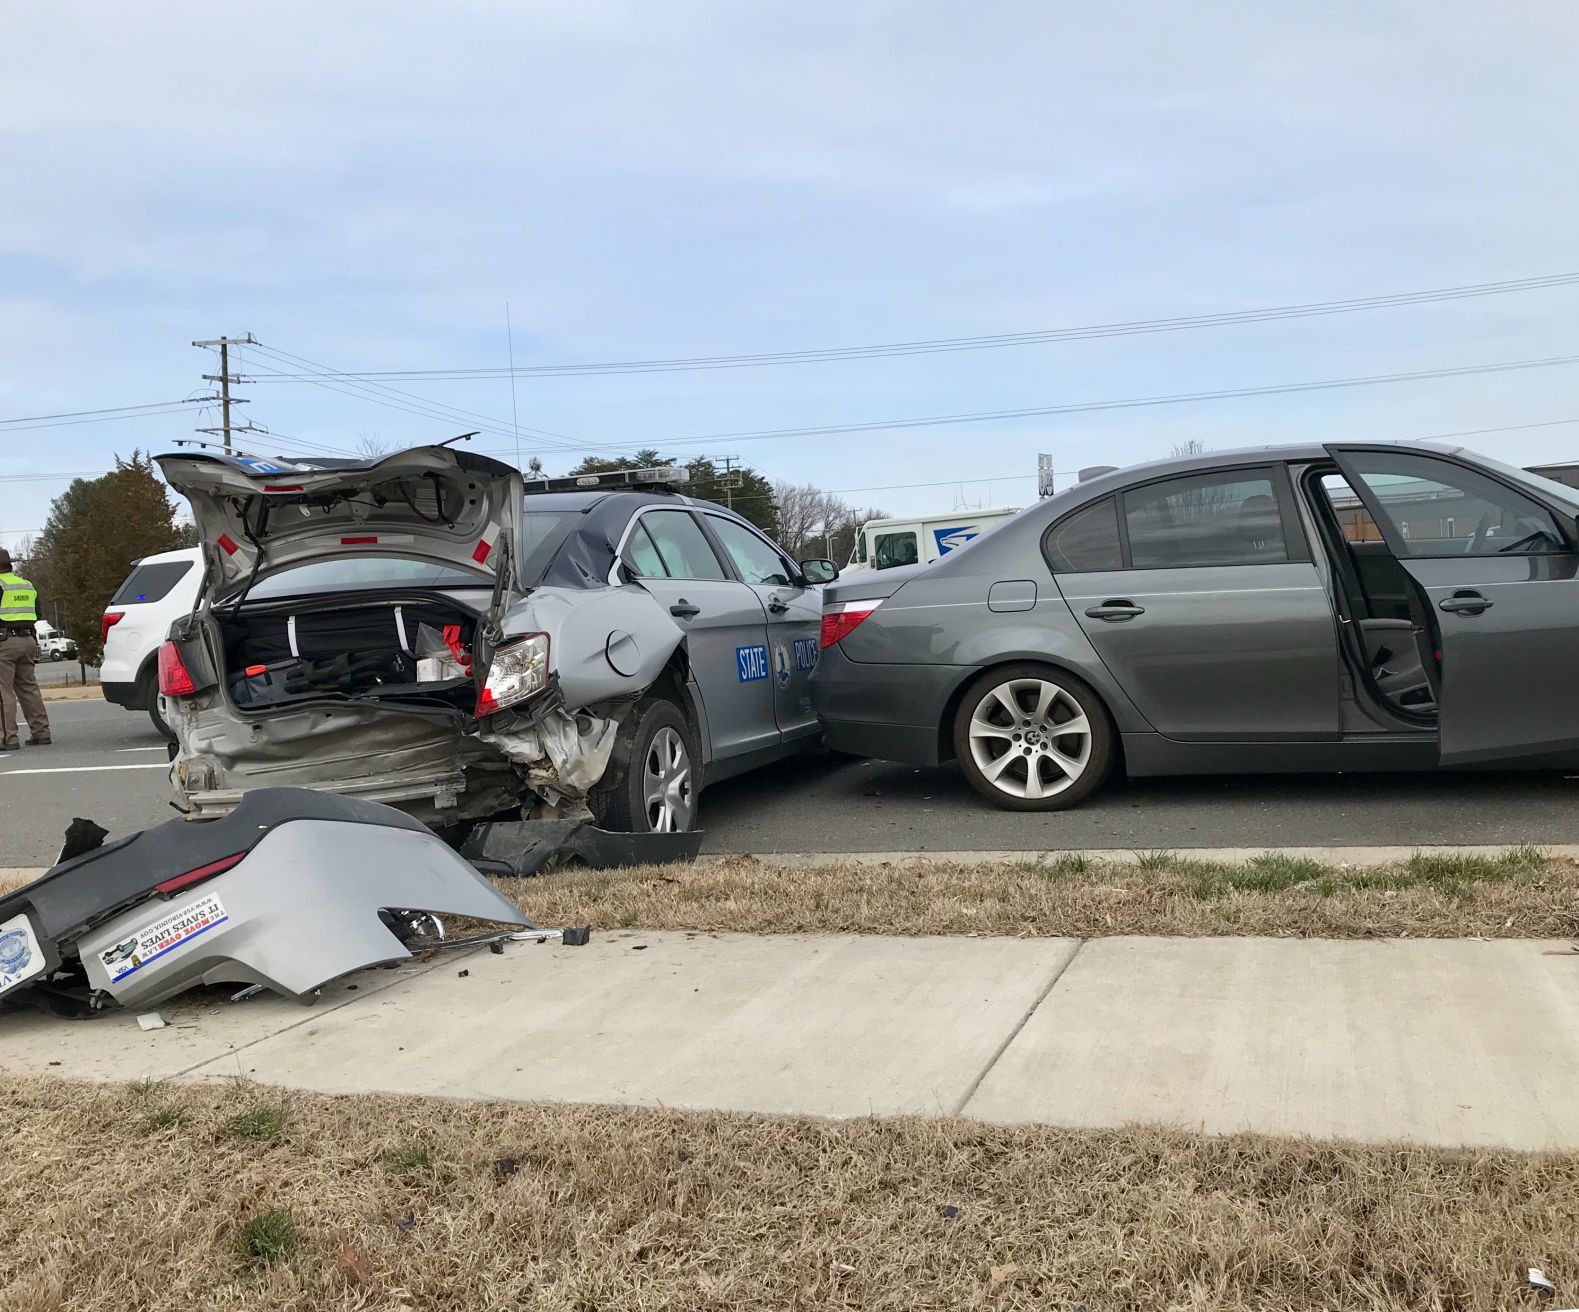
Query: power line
[
  {"x": 1128, "y": 403},
  {"x": 891, "y": 487},
  {"x": 991, "y": 341},
  {"x": 108, "y": 415},
  {"x": 347, "y": 384}
]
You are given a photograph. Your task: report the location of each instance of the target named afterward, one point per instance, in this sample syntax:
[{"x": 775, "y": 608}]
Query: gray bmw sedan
[{"x": 1353, "y": 606}]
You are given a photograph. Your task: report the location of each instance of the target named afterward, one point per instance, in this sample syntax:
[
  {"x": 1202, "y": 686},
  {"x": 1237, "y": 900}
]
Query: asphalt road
[{"x": 107, "y": 764}]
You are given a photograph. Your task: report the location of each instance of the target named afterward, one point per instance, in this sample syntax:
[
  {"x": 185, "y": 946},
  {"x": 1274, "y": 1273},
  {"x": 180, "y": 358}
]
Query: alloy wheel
[
  {"x": 666, "y": 783},
  {"x": 1030, "y": 738}
]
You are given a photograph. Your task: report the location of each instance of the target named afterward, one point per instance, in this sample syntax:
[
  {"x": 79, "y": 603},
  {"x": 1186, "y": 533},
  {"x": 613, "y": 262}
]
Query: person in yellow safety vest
[{"x": 18, "y": 652}]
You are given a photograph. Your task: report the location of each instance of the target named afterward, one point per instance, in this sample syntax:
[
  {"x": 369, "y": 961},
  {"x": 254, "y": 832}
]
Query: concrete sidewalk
[{"x": 1439, "y": 1041}]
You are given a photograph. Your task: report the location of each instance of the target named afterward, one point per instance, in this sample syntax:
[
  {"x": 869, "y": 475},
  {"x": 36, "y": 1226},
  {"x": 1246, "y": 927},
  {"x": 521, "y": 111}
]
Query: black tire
[
  {"x": 57, "y": 655},
  {"x": 1029, "y": 742},
  {"x": 622, "y": 800},
  {"x": 148, "y": 693}
]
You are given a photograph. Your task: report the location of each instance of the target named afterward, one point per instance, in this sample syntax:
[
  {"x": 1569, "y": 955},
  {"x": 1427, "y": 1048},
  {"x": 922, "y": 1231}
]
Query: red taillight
[
  {"x": 108, "y": 621},
  {"x": 197, "y": 876},
  {"x": 840, "y": 619},
  {"x": 174, "y": 678}
]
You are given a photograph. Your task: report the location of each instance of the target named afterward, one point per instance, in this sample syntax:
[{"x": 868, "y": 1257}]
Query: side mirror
[{"x": 819, "y": 571}]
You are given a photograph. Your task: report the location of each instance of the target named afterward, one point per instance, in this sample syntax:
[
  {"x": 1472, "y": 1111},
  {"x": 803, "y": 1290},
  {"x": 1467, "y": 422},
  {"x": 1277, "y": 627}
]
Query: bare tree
[
  {"x": 1193, "y": 447},
  {"x": 813, "y": 522},
  {"x": 372, "y": 445}
]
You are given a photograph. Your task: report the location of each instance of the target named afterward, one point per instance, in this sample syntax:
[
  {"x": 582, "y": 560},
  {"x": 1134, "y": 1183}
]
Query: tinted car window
[
  {"x": 364, "y": 572},
  {"x": 151, "y": 582},
  {"x": 1440, "y": 509},
  {"x": 754, "y": 558},
  {"x": 1230, "y": 518},
  {"x": 1086, "y": 540},
  {"x": 681, "y": 545}
]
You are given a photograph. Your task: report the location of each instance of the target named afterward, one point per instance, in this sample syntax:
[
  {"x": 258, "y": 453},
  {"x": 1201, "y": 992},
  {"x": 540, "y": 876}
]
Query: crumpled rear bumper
[{"x": 423, "y": 764}]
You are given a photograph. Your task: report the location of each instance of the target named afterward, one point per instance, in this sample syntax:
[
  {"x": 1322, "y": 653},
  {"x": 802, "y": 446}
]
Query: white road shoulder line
[
  {"x": 85, "y": 769},
  {"x": 139, "y": 749}
]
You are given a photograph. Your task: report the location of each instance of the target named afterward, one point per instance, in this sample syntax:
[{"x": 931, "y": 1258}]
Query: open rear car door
[{"x": 1499, "y": 572}]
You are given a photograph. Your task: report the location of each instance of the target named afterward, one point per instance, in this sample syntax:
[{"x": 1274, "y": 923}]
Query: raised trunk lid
[{"x": 256, "y": 516}]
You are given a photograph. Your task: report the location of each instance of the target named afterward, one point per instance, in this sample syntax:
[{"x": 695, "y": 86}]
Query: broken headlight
[{"x": 519, "y": 670}]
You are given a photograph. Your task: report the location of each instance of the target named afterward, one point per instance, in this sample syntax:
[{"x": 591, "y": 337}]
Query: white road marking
[
  {"x": 84, "y": 769},
  {"x": 139, "y": 749}
]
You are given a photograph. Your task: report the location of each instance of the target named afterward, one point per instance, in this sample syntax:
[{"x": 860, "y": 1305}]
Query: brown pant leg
[
  {"x": 10, "y": 648},
  {"x": 28, "y": 697}
]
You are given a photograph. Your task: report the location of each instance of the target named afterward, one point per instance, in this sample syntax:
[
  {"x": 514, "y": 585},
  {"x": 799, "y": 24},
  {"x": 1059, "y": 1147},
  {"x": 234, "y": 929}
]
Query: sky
[{"x": 369, "y": 186}]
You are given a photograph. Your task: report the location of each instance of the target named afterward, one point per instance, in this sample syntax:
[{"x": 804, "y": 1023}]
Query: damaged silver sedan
[{"x": 428, "y": 631}]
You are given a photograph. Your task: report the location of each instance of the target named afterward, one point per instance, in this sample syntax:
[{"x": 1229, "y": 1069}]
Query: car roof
[
  {"x": 577, "y": 501},
  {"x": 164, "y": 557},
  {"x": 1206, "y": 461}
]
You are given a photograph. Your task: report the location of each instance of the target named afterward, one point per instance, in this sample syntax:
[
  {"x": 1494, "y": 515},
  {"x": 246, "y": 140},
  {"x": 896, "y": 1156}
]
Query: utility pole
[
  {"x": 732, "y": 479},
  {"x": 225, "y": 378}
]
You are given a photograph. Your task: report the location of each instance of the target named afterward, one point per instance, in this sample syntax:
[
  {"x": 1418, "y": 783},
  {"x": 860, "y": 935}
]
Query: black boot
[
  {"x": 12, "y": 746},
  {"x": 45, "y": 741}
]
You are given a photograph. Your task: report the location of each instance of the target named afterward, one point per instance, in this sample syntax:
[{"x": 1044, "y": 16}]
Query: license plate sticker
[
  {"x": 21, "y": 958},
  {"x": 152, "y": 941}
]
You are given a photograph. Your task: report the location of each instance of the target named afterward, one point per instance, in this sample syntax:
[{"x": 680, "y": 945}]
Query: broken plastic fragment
[{"x": 150, "y": 1020}]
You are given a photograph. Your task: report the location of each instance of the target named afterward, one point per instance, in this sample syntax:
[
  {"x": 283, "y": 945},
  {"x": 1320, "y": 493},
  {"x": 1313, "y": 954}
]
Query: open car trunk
[
  {"x": 432, "y": 503},
  {"x": 409, "y": 652}
]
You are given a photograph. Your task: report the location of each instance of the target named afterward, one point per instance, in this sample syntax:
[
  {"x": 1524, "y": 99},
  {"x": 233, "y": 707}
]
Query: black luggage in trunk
[{"x": 281, "y": 655}]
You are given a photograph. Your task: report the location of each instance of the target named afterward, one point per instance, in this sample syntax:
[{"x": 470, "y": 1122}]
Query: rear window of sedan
[
  {"x": 1086, "y": 540},
  {"x": 358, "y": 573}
]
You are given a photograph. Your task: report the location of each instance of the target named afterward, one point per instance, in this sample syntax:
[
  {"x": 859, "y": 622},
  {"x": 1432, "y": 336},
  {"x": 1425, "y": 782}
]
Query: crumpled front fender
[{"x": 604, "y": 644}]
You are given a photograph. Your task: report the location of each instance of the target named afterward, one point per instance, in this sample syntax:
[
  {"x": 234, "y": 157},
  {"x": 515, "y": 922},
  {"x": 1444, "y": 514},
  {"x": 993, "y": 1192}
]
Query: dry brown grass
[
  {"x": 1521, "y": 894},
  {"x": 138, "y": 1197},
  {"x": 71, "y": 692}
]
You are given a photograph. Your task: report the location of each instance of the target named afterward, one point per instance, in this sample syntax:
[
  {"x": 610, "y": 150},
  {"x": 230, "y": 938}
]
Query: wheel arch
[
  {"x": 675, "y": 681},
  {"x": 147, "y": 676},
  {"x": 956, "y": 698}
]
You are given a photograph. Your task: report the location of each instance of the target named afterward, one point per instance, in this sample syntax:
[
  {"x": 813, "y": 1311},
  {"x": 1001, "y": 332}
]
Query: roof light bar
[{"x": 657, "y": 476}]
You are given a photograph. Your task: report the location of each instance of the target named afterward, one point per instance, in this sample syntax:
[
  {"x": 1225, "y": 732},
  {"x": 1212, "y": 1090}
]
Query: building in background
[{"x": 1566, "y": 473}]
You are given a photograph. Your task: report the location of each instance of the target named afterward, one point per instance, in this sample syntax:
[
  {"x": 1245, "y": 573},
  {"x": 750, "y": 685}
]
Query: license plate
[{"x": 21, "y": 958}]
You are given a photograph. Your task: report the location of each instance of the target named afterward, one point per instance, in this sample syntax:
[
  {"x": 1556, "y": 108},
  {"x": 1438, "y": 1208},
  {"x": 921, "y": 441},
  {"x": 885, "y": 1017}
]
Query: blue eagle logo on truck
[{"x": 950, "y": 538}]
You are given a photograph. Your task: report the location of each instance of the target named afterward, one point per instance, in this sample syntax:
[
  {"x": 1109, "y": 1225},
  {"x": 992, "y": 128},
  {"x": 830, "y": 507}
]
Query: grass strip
[
  {"x": 1520, "y": 893},
  {"x": 141, "y": 1196}
]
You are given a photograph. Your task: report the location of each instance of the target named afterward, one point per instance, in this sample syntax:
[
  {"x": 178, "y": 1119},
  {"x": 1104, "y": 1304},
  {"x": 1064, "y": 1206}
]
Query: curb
[
  {"x": 69, "y": 692},
  {"x": 1119, "y": 856},
  {"x": 15, "y": 876}
]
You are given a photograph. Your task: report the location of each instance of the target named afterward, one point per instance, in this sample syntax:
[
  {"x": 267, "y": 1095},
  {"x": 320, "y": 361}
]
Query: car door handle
[
  {"x": 683, "y": 610},
  {"x": 778, "y": 606},
  {"x": 1464, "y": 602},
  {"x": 1116, "y": 611}
]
